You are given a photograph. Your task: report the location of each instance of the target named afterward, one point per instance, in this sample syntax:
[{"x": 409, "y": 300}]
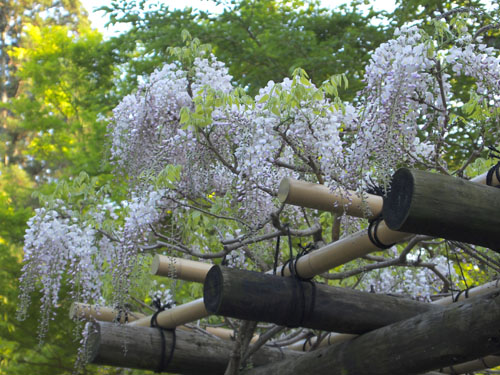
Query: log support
[
  {"x": 140, "y": 348},
  {"x": 443, "y": 206},
  {"x": 436, "y": 339},
  {"x": 286, "y": 301}
]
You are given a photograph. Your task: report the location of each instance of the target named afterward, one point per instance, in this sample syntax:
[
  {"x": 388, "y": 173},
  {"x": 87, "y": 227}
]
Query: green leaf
[
  {"x": 185, "y": 115},
  {"x": 305, "y": 81},
  {"x": 264, "y": 98}
]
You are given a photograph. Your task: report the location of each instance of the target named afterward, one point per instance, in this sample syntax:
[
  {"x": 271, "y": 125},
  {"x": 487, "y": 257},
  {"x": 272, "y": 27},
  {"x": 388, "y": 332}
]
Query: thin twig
[
  {"x": 293, "y": 232},
  {"x": 264, "y": 338},
  {"x": 141, "y": 303}
]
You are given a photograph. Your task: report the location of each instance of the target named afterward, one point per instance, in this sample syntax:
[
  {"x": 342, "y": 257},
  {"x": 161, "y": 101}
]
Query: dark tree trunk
[
  {"x": 286, "y": 301},
  {"x": 433, "y": 340},
  {"x": 140, "y": 348},
  {"x": 443, "y": 206}
]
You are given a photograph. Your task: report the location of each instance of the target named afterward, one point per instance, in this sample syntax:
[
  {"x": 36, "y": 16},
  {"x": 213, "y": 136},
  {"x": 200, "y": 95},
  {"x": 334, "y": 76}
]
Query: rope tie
[
  {"x": 118, "y": 317},
  {"x": 164, "y": 361},
  {"x": 298, "y": 287},
  {"x": 308, "y": 341},
  {"x": 372, "y": 233},
  {"x": 465, "y": 293},
  {"x": 329, "y": 337},
  {"x": 495, "y": 170}
]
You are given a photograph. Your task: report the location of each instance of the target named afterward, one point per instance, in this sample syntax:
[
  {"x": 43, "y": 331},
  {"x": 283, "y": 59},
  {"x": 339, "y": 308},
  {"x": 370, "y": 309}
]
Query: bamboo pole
[
  {"x": 342, "y": 251},
  {"x": 312, "y": 264},
  {"x": 471, "y": 366},
  {"x": 481, "y": 179},
  {"x": 176, "y": 316},
  {"x": 102, "y": 313},
  {"x": 320, "y": 197},
  {"x": 222, "y": 333},
  {"x": 330, "y": 256},
  {"x": 183, "y": 269},
  {"x": 108, "y": 314},
  {"x": 226, "y": 334},
  {"x": 476, "y": 291}
]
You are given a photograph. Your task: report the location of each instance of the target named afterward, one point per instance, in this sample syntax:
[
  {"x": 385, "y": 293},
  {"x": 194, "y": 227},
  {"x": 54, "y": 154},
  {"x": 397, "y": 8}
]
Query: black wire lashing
[
  {"x": 495, "y": 170},
  {"x": 298, "y": 287},
  {"x": 373, "y": 236},
  {"x": 164, "y": 361}
]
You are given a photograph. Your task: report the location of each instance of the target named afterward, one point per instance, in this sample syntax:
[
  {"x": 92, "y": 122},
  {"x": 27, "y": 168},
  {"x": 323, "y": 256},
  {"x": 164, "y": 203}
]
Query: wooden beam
[
  {"x": 320, "y": 197},
  {"x": 140, "y": 348},
  {"x": 312, "y": 264},
  {"x": 476, "y": 365},
  {"x": 443, "y": 206},
  {"x": 285, "y": 301},
  {"x": 461, "y": 332}
]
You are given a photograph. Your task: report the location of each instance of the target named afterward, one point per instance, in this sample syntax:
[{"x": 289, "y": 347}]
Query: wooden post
[
  {"x": 102, "y": 313},
  {"x": 461, "y": 332},
  {"x": 176, "y": 316},
  {"x": 320, "y": 197},
  {"x": 140, "y": 348},
  {"x": 183, "y": 269},
  {"x": 443, "y": 206},
  {"x": 285, "y": 301}
]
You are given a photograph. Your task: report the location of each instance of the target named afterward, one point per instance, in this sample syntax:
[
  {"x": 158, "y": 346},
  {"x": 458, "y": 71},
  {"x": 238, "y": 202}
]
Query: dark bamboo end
[
  {"x": 398, "y": 202},
  {"x": 212, "y": 290},
  {"x": 92, "y": 346}
]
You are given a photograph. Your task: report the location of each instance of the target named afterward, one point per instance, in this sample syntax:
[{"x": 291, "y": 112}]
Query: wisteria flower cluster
[{"x": 57, "y": 247}]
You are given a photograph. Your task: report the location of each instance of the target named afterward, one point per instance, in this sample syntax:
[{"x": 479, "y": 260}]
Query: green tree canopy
[{"x": 258, "y": 40}]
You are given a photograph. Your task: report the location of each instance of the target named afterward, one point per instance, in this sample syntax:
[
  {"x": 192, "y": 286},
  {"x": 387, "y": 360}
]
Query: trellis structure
[{"x": 442, "y": 336}]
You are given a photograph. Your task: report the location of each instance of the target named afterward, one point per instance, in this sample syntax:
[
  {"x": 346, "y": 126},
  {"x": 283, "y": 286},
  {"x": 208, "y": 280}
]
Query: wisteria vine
[{"x": 203, "y": 161}]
